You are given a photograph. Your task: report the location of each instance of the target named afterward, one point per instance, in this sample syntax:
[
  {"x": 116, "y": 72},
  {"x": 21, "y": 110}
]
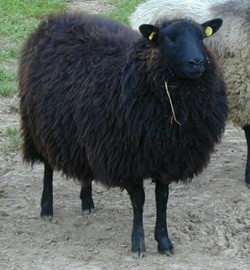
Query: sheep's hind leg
[
  {"x": 47, "y": 195},
  {"x": 86, "y": 197},
  {"x": 247, "y": 133},
  {"x": 161, "y": 233},
  {"x": 137, "y": 196}
]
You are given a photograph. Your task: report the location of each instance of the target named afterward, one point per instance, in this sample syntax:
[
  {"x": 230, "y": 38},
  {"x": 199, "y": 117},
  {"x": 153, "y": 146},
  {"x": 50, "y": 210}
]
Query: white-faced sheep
[
  {"x": 101, "y": 101},
  {"x": 231, "y": 46}
]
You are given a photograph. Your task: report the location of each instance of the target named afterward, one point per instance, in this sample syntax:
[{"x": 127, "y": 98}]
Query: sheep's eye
[{"x": 171, "y": 39}]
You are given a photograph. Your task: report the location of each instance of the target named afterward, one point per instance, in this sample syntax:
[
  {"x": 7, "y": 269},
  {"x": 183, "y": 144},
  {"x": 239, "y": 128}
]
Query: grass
[
  {"x": 7, "y": 82},
  {"x": 14, "y": 140},
  {"x": 17, "y": 19},
  {"x": 123, "y": 9},
  {"x": 6, "y": 53}
]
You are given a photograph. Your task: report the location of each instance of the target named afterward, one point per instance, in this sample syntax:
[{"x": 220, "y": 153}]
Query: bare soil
[{"x": 208, "y": 219}]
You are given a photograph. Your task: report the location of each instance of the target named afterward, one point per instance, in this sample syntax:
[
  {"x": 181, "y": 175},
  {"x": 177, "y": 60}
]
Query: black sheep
[{"x": 101, "y": 101}]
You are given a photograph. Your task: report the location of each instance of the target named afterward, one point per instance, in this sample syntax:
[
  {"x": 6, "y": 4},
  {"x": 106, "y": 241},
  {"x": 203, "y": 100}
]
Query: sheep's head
[{"x": 181, "y": 44}]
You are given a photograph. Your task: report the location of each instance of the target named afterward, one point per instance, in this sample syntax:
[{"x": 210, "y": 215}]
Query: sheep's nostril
[{"x": 196, "y": 62}]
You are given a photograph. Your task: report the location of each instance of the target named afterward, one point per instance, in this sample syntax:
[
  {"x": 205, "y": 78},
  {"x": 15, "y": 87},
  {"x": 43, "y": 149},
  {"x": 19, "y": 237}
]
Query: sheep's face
[{"x": 181, "y": 44}]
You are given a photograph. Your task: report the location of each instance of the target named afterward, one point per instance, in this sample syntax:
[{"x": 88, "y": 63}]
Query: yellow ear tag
[
  {"x": 208, "y": 31},
  {"x": 151, "y": 36}
]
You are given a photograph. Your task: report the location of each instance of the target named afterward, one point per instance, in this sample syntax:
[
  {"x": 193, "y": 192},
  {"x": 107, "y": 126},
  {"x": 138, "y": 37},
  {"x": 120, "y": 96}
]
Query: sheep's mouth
[
  {"x": 192, "y": 75},
  {"x": 188, "y": 74}
]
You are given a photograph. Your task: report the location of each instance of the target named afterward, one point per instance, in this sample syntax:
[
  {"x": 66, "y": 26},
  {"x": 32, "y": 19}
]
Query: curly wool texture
[
  {"x": 94, "y": 104},
  {"x": 231, "y": 44}
]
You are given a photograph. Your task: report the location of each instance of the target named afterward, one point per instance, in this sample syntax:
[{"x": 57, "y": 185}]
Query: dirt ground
[{"x": 208, "y": 219}]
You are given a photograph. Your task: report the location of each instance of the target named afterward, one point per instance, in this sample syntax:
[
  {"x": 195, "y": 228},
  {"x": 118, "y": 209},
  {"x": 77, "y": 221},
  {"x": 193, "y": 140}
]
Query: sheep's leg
[
  {"x": 161, "y": 233},
  {"x": 137, "y": 196},
  {"x": 86, "y": 197},
  {"x": 47, "y": 195},
  {"x": 247, "y": 133}
]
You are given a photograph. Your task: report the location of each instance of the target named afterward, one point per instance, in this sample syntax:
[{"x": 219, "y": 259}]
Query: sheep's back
[{"x": 71, "y": 45}]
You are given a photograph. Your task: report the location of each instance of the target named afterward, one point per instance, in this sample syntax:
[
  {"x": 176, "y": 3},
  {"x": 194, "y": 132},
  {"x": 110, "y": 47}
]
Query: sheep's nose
[
  {"x": 196, "y": 62},
  {"x": 195, "y": 67}
]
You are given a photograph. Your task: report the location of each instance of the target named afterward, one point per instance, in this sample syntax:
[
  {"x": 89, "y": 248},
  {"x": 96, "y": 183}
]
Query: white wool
[
  {"x": 231, "y": 44},
  {"x": 152, "y": 10}
]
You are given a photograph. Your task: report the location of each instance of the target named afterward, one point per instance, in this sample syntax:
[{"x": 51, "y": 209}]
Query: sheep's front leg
[
  {"x": 161, "y": 233},
  {"x": 86, "y": 197},
  {"x": 137, "y": 196},
  {"x": 247, "y": 133},
  {"x": 47, "y": 195}
]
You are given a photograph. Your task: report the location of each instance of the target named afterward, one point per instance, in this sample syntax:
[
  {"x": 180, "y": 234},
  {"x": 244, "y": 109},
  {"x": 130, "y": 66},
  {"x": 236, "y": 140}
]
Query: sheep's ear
[
  {"x": 211, "y": 27},
  {"x": 150, "y": 32}
]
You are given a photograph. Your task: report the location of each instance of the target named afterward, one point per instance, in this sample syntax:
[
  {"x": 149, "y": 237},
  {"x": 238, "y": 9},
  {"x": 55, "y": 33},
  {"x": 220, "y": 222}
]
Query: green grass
[
  {"x": 7, "y": 82},
  {"x": 14, "y": 144},
  {"x": 6, "y": 53},
  {"x": 17, "y": 19},
  {"x": 123, "y": 9}
]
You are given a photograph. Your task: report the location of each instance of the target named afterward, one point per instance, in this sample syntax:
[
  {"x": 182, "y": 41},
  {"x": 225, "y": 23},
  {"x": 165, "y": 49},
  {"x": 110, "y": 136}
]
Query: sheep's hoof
[
  {"x": 165, "y": 247},
  {"x": 46, "y": 213},
  {"x": 47, "y": 217},
  {"x": 167, "y": 252},
  {"x": 138, "y": 254},
  {"x": 87, "y": 212},
  {"x": 88, "y": 206},
  {"x": 138, "y": 248}
]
